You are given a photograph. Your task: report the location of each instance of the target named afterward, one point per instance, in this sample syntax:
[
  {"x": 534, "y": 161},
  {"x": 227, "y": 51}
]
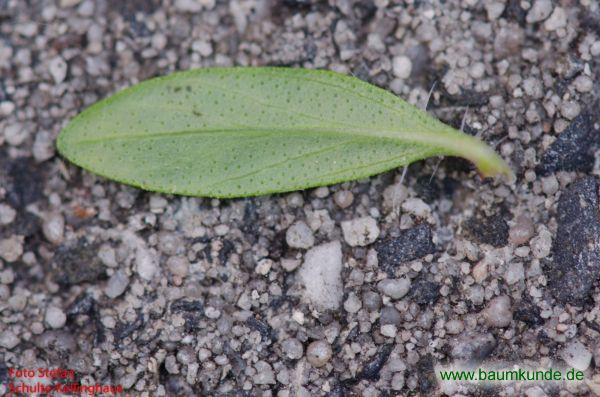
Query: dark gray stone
[
  {"x": 78, "y": 263},
  {"x": 574, "y": 148},
  {"x": 576, "y": 260},
  {"x": 411, "y": 244},
  {"x": 491, "y": 230}
]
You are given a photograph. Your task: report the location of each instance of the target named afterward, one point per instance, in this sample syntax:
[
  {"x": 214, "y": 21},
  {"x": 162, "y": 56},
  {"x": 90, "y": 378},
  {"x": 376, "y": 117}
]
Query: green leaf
[{"x": 233, "y": 132}]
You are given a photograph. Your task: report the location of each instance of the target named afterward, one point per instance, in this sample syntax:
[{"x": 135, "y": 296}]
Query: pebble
[
  {"x": 472, "y": 346},
  {"x": 58, "y": 69},
  {"x": 6, "y": 108},
  {"x": 402, "y": 66},
  {"x": 454, "y": 327},
  {"x": 371, "y": 300},
  {"x": 521, "y": 231},
  {"x": 7, "y": 276},
  {"x": 263, "y": 267},
  {"x": 389, "y": 330},
  {"x": 393, "y": 196},
  {"x": 107, "y": 256},
  {"x": 9, "y": 340},
  {"x": 16, "y": 134},
  {"x": 188, "y": 5},
  {"x": 212, "y": 313},
  {"x": 514, "y": 273},
  {"x": 43, "y": 147},
  {"x": 11, "y": 248},
  {"x": 264, "y": 374},
  {"x": 292, "y": 348},
  {"x": 533, "y": 87},
  {"x": 343, "y": 198},
  {"x": 321, "y": 192},
  {"x": 494, "y": 9},
  {"x": 299, "y": 235},
  {"x": 55, "y": 317},
  {"x": 289, "y": 265},
  {"x": 540, "y": 10},
  {"x": 178, "y": 265},
  {"x": 394, "y": 288},
  {"x": 583, "y": 83},
  {"x": 295, "y": 200},
  {"x": 360, "y": 231},
  {"x": 389, "y": 315},
  {"x": 576, "y": 355},
  {"x": 550, "y": 185},
  {"x": 417, "y": 207},
  {"x": 117, "y": 284},
  {"x": 570, "y": 109},
  {"x": 53, "y": 228},
  {"x": 318, "y": 353},
  {"x": 352, "y": 303},
  {"x": 7, "y": 214},
  {"x": 398, "y": 381},
  {"x": 320, "y": 274},
  {"x": 542, "y": 244},
  {"x": 498, "y": 312},
  {"x": 68, "y": 3},
  {"x": 203, "y": 48},
  {"x": 557, "y": 20},
  {"x": 146, "y": 263}
]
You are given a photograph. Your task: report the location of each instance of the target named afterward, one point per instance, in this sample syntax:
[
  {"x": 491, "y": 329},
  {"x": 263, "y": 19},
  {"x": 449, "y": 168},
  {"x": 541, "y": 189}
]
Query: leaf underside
[{"x": 234, "y": 132}]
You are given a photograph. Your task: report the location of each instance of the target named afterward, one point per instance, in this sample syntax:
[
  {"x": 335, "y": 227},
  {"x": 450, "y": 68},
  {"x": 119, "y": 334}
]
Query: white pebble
[
  {"x": 212, "y": 313},
  {"x": 570, "y": 109},
  {"x": 58, "y": 69},
  {"x": 299, "y": 235},
  {"x": 343, "y": 198},
  {"x": 146, "y": 263},
  {"x": 53, "y": 228},
  {"x": 417, "y": 207},
  {"x": 15, "y": 134},
  {"x": 11, "y": 248},
  {"x": 6, "y": 108},
  {"x": 514, "y": 273},
  {"x": 393, "y": 196},
  {"x": 583, "y": 83},
  {"x": 494, "y": 9},
  {"x": 7, "y": 214},
  {"x": 178, "y": 265},
  {"x": 557, "y": 20},
  {"x": 394, "y": 288},
  {"x": 455, "y": 327},
  {"x": 55, "y": 317},
  {"x": 117, "y": 284},
  {"x": 576, "y": 355},
  {"x": 389, "y": 330},
  {"x": 498, "y": 312},
  {"x": 263, "y": 267},
  {"x": 540, "y": 10},
  {"x": 550, "y": 185},
  {"x": 264, "y": 374},
  {"x": 541, "y": 245},
  {"x": 320, "y": 274},
  {"x": 318, "y": 353},
  {"x": 8, "y": 339},
  {"x": 360, "y": 231},
  {"x": 521, "y": 231},
  {"x": 402, "y": 66},
  {"x": 352, "y": 303}
]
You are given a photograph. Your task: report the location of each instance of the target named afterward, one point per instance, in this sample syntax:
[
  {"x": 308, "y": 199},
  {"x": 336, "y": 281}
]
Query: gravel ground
[{"x": 358, "y": 289}]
